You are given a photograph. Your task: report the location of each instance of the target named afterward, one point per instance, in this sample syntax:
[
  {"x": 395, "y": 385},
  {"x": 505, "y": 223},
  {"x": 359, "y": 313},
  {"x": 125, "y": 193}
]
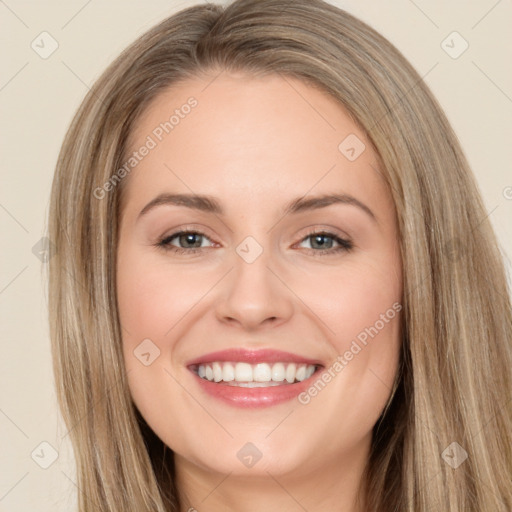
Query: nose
[{"x": 254, "y": 295}]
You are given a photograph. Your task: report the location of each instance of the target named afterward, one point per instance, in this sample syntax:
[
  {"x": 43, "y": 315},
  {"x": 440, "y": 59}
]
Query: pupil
[
  {"x": 318, "y": 240},
  {"x": 189, "y": 238}
]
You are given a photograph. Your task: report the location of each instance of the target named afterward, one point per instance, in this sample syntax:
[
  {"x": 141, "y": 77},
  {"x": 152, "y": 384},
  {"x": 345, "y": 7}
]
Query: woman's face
[{"x": 292, "y": 264}]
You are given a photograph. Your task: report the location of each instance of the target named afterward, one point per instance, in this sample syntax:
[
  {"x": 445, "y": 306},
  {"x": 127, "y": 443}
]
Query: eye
[
  {"x": 190, "y": 241},
  {"x": 322, "y": 242}
]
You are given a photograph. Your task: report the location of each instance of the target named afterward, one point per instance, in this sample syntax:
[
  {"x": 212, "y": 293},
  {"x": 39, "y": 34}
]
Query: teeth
[
  {"x": 262, "y": 373},
  {"x": 301, "y": 373},
  {"x": 255, "y": 375},
  {"x": 228, "y": 372},
  {"x": 278, "y": 372},
  {"x": 243, "y": 372},
  {"x": 290, "y": 372},
  {"x": 217, "y": 372}
]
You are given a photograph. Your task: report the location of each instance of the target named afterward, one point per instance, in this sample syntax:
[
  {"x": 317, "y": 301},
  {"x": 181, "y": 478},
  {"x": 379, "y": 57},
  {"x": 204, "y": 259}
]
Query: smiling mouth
[{"x": 257, "y": 375}]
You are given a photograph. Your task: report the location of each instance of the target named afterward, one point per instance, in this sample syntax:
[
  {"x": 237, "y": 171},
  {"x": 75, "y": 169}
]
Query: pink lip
[
  {"x": 252, "y": 356},
  {"x": 252, "y": 397}
]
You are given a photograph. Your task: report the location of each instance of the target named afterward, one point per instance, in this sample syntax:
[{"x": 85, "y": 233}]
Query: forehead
[
  {"x": 273, "y": 110},
  {"x": 255, "y": 135}
]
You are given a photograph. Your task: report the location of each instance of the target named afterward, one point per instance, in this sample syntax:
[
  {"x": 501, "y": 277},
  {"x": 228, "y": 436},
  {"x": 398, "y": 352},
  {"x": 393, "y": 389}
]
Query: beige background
[{"x": 37, "y": 100}]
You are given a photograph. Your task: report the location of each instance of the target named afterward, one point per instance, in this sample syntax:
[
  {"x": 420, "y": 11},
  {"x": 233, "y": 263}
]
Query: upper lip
[{"x": 252, "y": 356}]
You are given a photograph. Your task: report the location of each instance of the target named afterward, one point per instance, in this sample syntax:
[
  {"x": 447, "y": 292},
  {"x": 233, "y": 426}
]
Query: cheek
[
  {"x": 151, "y": 301},
  {"x": 363, "y": 311},
  {"x": 360, "y": 311},
  {"x": 153, "y": 298},
  {"x": 357, "y": 300},
  {"x": 149, "y": 305}
]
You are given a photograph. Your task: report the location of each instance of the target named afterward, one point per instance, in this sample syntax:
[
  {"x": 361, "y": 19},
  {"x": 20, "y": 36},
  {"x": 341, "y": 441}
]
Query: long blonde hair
[{"x": 455, "y": 380}]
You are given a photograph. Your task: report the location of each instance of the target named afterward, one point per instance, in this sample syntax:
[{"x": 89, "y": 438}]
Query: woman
[{"x": 338, "y": 334}]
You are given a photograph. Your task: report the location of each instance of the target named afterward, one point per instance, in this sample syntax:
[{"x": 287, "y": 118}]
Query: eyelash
[{"x": 345, "y": 245}]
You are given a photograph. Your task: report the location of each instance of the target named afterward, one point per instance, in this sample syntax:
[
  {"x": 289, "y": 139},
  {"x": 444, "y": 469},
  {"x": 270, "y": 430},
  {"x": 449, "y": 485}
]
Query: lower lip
[{"x": 254, "y": 397}]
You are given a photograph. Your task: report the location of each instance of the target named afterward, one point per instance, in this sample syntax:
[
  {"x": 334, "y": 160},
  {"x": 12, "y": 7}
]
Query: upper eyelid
[{"x": 184, "y": 231}]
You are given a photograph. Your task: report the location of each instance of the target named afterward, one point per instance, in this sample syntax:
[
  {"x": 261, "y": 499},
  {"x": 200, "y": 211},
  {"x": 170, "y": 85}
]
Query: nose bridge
[
  {"x": 254, "y": 294},
  {"x": 252, "y": 262}
]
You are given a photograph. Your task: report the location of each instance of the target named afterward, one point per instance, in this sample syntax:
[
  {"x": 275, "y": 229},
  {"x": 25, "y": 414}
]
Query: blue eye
[
  {"x": 192, "y": 240},
  {"x": 322, "y": 243}
]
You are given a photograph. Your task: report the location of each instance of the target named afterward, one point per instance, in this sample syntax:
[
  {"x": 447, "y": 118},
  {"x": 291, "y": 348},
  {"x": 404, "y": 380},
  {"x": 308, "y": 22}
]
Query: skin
[{"x": 255, "y": 144}]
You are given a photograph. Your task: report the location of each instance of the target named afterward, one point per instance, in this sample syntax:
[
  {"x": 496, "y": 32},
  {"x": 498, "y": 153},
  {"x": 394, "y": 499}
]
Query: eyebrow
[{"x": 210, "y": 205}]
